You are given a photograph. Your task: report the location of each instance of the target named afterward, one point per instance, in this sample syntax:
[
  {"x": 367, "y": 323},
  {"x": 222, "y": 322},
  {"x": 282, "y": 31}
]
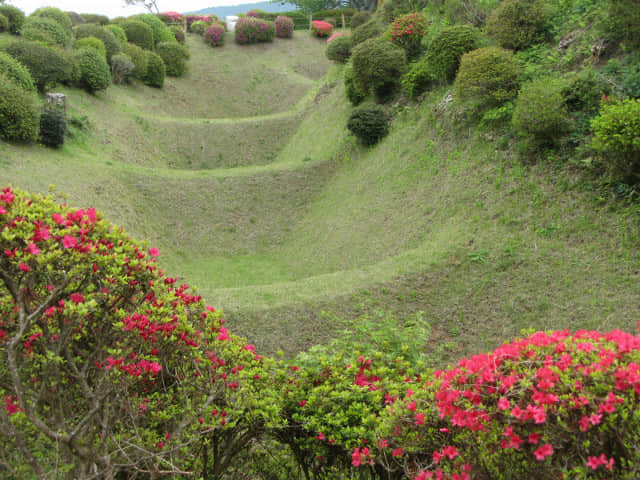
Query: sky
[{"x": 117, "y": 8}]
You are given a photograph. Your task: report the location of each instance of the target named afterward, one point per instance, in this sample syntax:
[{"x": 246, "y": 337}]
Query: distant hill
[{"x": 222, "y": 12}]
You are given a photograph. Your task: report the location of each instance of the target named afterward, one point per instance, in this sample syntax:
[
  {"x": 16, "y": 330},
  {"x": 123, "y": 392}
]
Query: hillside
[{"x": 222, "y": 12}]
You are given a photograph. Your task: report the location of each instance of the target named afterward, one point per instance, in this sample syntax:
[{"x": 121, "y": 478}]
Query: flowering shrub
[
  {"x": 199, "y": 27},
  {"x": 339, "y": 48},
  {"x": 253, "y": 30},
  {"x": 284, "y": 27},
  {"x": 171, "y": 17},
  {"x": 339, "y": 34},
  {"x": 199, "y": 18},
  {"x": 407, "y": 32},
  {"x": 214, "y": 35},
  {"x": 320, "y": 28},
  {"x": 551, "y": 405}
]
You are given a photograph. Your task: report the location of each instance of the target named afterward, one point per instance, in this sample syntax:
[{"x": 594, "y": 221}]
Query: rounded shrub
[
  {"x": 55, "y": 14},
  {"x": 174, "y": 56},
  {"x": 488, "y": 77},
  {"x": 53, "y": 126},
  {"x": 18, "y": 112},
  {"x": 76, "y": 18},
  {"x": 418, "y": 79},
  {"x": 92, "y": 42},
  {"x": 370, "y": 123},
  {"x": 284, "y": 26},
  {"x": 45, "y": 30},
  {"x": 95, "y": 18},
  {"x": 366, "y": 31},
  {"x": 320, "y": 28},
  {"x": 540, "y": 112},
  {"x": 111, "y": 43},
  {"x": 254, "y": 30},
  {"x": 15, "y": 16},
  {"x": 15, "y": 71},
  {"x": 138, "y": 33},
  {"x": 339, "y": 49},
  {"x": 353, "y": 93},
  {"x": 161, "y": 33},
  {"x": 199, "y": 27},
  {"x": 122, "y": 67},
  {"x": 95, "y": 72},
  {"x": 4, "y": 24},
  {"x": 156, "y": 70},
  {"x": 407, "y": 31},
  {"x": 517, "y": 24},
  {"x": 47, "y": 65},
  {"x": 359, "y": 18},
  {"x": 214, "y": 36},
  {"x": 117, "y": 32},
  {"x": 139, "y": 59},
  {"x": 178, "y": 34},
  {"x": 378, "y": 66},
  {"x": 447, "y": 47},
  {"x": 616, "y": 136}
]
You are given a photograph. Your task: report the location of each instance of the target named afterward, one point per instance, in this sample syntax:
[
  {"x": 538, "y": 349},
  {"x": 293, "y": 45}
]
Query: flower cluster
[
  {"x": 171, "y": 17},
  {"x": 199, "y": 18},
  {"x": 320, "y": 28},
  {"x": 342, "y": 33},
  {"x": 407, "y": 32},
  {"x": 254, "y": 30},
  {"x": 214, "y": 35},
  {"x": 284, "y": 27}
]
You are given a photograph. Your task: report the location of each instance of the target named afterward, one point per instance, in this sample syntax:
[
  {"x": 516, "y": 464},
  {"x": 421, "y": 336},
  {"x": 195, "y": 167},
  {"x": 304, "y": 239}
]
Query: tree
[{"x": 150, "y": 5}]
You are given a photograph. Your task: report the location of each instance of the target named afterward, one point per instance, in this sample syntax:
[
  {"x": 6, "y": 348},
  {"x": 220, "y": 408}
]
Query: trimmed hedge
[
  {"x": 53, "y": 126},
  {"x": 518, "y": 24},
  {"x": 15, "y": 16},
  {"x": 122, "y": 66},
  {"x": 156, "y": 70},
  {"x": 45, "y": 30},
  {"x": 370, "y": 123},
  {"x": 378, "y": 67},
  {"x": 138, "y": 33},
  {"x": 111, "y": 43},
  {"x": 174, "y": 57},
  {"x": 55, "y": 14},
  {"x": 92, "y": 42},
  {"x": 199, "y": 27},
  {"x": 320, "y": 28},
  {"x": 339, "y": 49},
  {"x": 118, "y": 32},
  {"x": 161, "y": 33},
  {"x": 284, "y": 27},
  {"x": 15, "y": 71},
  {"x": 418, "y": 79},
  {"x": 95, "y": 18},
  {"x": 47, "y": 65},
  {"x": 366, "y": 31},
  {"x": 407, "y": 31},
  {"x": 95, "y": 72},
  {"x": 178, "y": 33},
  {"x": 18, "y": 112},
  {"x": 359, "y": 18},
  {"x": 353, "y": 93},
  {"x": 446, "y": 50},
  {"x": 214, "y": 36},
  {"x": 254, "y": 30},
  {"x": 139, "y": 59}
]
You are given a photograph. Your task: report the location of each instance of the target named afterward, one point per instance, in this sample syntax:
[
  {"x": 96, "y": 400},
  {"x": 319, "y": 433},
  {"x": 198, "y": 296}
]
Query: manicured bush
[
  {"x": 15, "y": 16},
  {"x": 45, "y": 30},
  {"x": 18, "y": 112},
  {"x": 616, "y": 137},
  {"x": 53, "y": 125},
  {"x": 254, "y": 30},
  {"x": 47, "y": 65},
  {"x": 92, "y": 42},
  {"x": 55, "y": 14},
  {"x": 353, "y": 93},
  {"x": 178, "y": 33},
  {"x": 199, "y": 27},
  {"x": 118, "y": 32},
  {"x": 156, "y": 70},
  {"x": 161, "y": 33},
  {"x": 359, "y": 18},
  {"x": 378, "y": 67},
  {"x": 407, "y": 31},
  {"x": 138, "y": 33},
  {"x": 174, "y": 57},
  {"x": 214, "y": 36},
  {"x": 171, "y": 17},
  {"x": 139, "y": 59},
  {"x": 446, "y": 49},
  {"x": 284, "y": 27},
  {"x": 623, "y": 21},
  {"x": 366, "y": 31},
  {"x": 418, "y": 79},
  {"x": 487, "y": 77},
  {"x": 96, "y": 74},
  {"x": 4, "y": 24},
  {"x": 320, "y": 28},
  {"x": 518, "y": 24},
  {"x": 13, "y": 70},
  {"x": 339, "y": 49},
  {"x": 111, "y": 42},
  {"x": 370, "y": 123},
  {"x": 122, "y": 66},
  {"x": 95, "y": 18},
  {"x": 191, "y": 19},
  {"x": 540, "y": 112}
]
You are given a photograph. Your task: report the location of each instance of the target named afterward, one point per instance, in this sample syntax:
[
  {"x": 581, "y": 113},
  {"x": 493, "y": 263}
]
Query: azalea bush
[
  {"x": 199, "y": 18},
  {"x": 407, "y": 31},
  {"x": 214, "y": 36},
  {"x": 18, "y": 112},
  {"x": 320, "y": 28},
  {"x": 284, "y": 26},
  {"x": 339, "y": 48},
  {"x": 171, "y": 18},
  {"x": 254, "y": 30},
  {"x": 378, "y": 67}
]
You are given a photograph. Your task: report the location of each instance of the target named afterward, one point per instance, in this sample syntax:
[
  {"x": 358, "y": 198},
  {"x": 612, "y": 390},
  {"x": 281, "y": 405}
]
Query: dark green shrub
[
  {"x": 4, "y": 24},
  {"x": 366, "y": 31},
  {"x": 47, "y": 65},
  {"x": 446, "y": 49},
  {"x": 378, "y": 67},
  {"x": 353, "y": 93},
  {"x": 369, "y": 123},
  {"x": 616, "y": 136},
  {"x": 156, "y": 70},
  {"x": 623, "y": 21},
  {"x": 15, "y": 16},
  {"x": 161, "y": 33},
  {"x": 95, "y": 18},
  {"x": 18, "y": 112},
  {"x": 418, "y": 79},
  {"x": 96, "y": 74},
  {"x": 92, "y": 42},
  {"x": 117, "y": 32},
  {"x": 53, "y": 126},
  {"x": 518, "y": 24},
  {"x": 75, "y": 18},
  {"x": 111, "y": 43},
  {"x": 55, "y": 14},
  {"x": 178, "y": 34},
  {"x": 339, "y": 49},
  {"x": 12, "y": 69},
  {"x": 139, "y": 59},
  {"x": 174, "y": 57},
  {"x": 122, "y": 67},
  {"x": 74, "y": 67},
  {"x": 45, "y": 30},
  {"x": 138, "y": 33},
  {"x": 540, "y": 112},
  {"x": 487, "y": 77},
  {"x": 359, "y": 18}
]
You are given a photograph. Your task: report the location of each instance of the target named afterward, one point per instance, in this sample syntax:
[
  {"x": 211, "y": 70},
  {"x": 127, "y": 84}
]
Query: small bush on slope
[
  {"x": 46, "y": 65},
  {"x": 156, "y": 70},
  {"x": 18, "y": 112},
  {"x": 369, "y": 123},
  {"x": 378, "y": 67},
  {"x": 518, "y": 24},
  {"x": 111, "y": 42},
  {"x": 15, "y": 16},
  {"x": 15, "y": 71}
]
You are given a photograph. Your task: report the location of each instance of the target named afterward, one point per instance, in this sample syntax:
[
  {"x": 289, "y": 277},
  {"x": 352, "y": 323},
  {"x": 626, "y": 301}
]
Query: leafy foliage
[
  {"x": 55, "y": 14},
  {"x": 370, "y": 123},
  {"x": 407, "y": 31},
  {"x": 122, "y": 66},
  {"x": 92, "y": 42},
  {"x": 623, "y": 21},
  {"x": 254, "y": 30},
  {"x": 95, "y": 72},
  {"x": 156, "y": 70},
  {"x": 284, "y": 26},
  {"x": 518, "y": 24},
  {"x": 4, "y": 23},
  {"x": 378, "y": 66},
  {"x": 199, "y": 27},
  {"x": 139, "y": 59},
  {"x": 107, "y": 35},
  {"x": 178, "y": 33},
  {"x": 174, "y": 57},
  {"x": 418, "y": 79},
  {"x": 366, "y": 31},
  {"x": 138, "y": 33},
  {"x": 214, "y": 36},
  {"x": 161, "y": 33},
  {"x": 353, "y": 93},
  {"x": 447, "y": 47},
  {"x": 359, "y": 18},
  {"x": 339, "y": 49},
  {"x": 45, "y": 30},
  {"x": 53, "y": 125},
  {"x": 118, "y": 32},
  {"x": 18, "y": 112},
  {"x": 15, "y": 16},
  {"x": 12, "y": 69}
]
